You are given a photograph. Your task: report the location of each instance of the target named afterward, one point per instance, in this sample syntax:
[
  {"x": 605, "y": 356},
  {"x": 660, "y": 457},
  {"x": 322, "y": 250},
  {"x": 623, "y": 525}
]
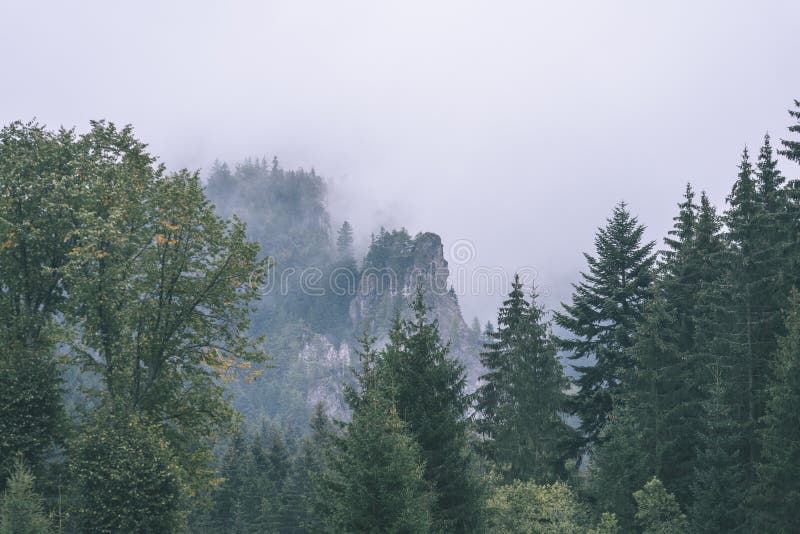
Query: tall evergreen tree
[
  {"x": 718, "y": 486},
  {"x": 791, "y": 148},
  {"x": 522, "y": 396},
  {"x": 776, "y": 496},
  {"x": 429, "y": 394},
  {"x": 605, "y": 309},
  {"x": 344, "y": 241},
  {"x": 376, "y": 482},
  {"x": 21, "y": 508},
  {"x": 745, "y": 303}
]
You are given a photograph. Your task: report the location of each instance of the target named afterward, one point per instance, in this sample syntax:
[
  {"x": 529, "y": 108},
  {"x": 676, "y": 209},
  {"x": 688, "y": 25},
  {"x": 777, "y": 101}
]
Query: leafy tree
[
  {"x": 605, "y": 309},
  {"x": 160, "y": 290},
  {"x": 31, "y": 415},
  {"x": 521, "y": 399},
  {"x": 658, "y": 511},
  {"x": 36, "y": 234},
  {"x": 528, "y": 508},
  {"x": 21, "y": 508},
  {"x": 428, "y": 388},
  {"x": 126, "y": 476},
  {"x": 608, "y": 524},
  {"x": 776, "y": 497}
]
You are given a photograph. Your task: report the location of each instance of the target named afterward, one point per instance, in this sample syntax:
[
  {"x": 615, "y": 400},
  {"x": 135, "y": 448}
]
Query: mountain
[{"x": 319, "y": 299}]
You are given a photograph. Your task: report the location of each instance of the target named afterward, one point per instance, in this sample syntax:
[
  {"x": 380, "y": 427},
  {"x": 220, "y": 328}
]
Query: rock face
[{"x": 384, "y": 290}]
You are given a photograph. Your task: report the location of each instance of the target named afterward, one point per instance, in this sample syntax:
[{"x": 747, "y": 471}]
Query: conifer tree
[
  {"x": 605, "y": 308},
  {"x": 522, "y": 395},
  {"x": 718, "y": 487},
  {"x": 344, "y": 241},
  {"x": 792, "y": 147},
  {"x": 376, "y": 482},
  {"x": 21, "y": 508},
  {"x": 745, "y": 303},
  {"x": 304, "y": 505},
  {"x": 428, "y": 387},
  {"x": 776, "y": 497}
]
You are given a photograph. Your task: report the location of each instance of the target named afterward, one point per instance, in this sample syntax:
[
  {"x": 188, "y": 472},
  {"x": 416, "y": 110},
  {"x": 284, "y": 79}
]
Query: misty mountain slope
[{"x": 318, "y": 300}]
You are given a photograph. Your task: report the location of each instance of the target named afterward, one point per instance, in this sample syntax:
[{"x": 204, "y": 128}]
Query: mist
[{"x": 513, "y": 127}]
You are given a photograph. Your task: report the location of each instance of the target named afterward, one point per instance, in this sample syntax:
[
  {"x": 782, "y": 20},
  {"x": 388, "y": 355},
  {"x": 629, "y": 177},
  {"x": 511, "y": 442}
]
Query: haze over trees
[{"x": 149, "y": 383}]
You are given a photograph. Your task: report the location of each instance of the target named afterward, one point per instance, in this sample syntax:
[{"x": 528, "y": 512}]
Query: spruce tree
[
  {"x": 21, "y": 508},
  {"x": 745, "y": 303},
  {"x": 718, "y": 488},
  {"x": 776, "y": 496},
  {"x": 344, "y": 241},
  {"x": 376, "y": 482},
  {"x": 605, "y": 308},
  {"x": 522, "y": 396},
  {"x": 429, "y": 394},
  {"x": 791, "y": 147}
]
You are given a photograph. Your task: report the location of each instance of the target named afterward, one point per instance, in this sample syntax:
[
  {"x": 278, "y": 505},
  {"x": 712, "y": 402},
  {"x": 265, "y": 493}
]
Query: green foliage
[
  {"x": 528, "y": 508},
  {"x": 159, "y": 290},
  {"x": 31, "y": 414},
  {"x": 657, "y": 511},
  {"x": 521, "y": 398},
  {"x": 21, "y": 508},
  {"x": 608, "y": 524},
  {"x": 776, "y": 496},
  {"x": 428, "y": 389},
  {"x": 603, "y": 314},
  {"x": 377, "y": 475},
  {"x": 718, "y": 487},
  {"x": 126, "y": 476},
  {"x": 36, "y": 220}
]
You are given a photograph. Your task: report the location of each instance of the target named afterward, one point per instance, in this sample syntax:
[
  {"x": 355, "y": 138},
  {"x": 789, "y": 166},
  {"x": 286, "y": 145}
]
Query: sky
[{"x": 509, "y": 128}]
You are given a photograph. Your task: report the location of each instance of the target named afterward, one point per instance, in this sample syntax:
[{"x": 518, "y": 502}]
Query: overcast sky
[{"x": 515, "y": 126}]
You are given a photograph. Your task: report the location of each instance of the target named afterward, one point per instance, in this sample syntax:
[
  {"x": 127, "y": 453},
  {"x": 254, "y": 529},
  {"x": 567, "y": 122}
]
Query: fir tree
[
  {"x": 791, "y": 147},
  {"x": 521, "y": 399},
  {"x": 605, "y": 309},
  {"x": 376, "y": 482},
  {"x": 344, "y": 241},
  {"x": 428, "y": 388},
  {"x": 718, "y": 487},
  {"x": 776, "y": 497},
  {"x": 21, "y": 508}
]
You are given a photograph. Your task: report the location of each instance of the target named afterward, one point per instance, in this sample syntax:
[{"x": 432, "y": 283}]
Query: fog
[{"x": 513, "y": 127}]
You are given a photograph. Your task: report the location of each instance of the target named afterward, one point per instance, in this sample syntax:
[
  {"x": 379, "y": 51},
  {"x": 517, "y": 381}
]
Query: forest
[{"x": 211, "y": 354}]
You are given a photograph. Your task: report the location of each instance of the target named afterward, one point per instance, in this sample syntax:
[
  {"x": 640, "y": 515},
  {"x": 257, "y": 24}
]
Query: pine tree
[
  {"x": 776, "y": 497},
  {"x": 376, "y": 482},
  {"x": 429, "y": 394},
  {"x": 745, "y": 303},
  {"x": 605, "y": 308},
  {"x": 21, "y": 508},
  {"x": 304, "y": 506},
  {"x": 791, "y": 147},
  {"x": 654, "y": 431},
  {"x": 344, "y": 241},
  {"x": 718, "y": 487},
  {"x": 522, "y": 395},
  {"x": 658, "y": 512}
]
